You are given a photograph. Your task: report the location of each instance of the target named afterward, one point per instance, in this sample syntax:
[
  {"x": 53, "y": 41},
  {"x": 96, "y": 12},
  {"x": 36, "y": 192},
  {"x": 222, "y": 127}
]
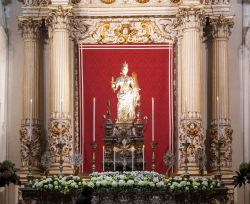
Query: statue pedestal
[{"x": 123, "y": 138}]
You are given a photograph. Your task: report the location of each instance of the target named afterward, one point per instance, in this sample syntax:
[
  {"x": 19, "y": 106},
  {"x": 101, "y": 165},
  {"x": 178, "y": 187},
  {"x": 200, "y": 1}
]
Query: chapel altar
[{"x": 126, "y": 95}]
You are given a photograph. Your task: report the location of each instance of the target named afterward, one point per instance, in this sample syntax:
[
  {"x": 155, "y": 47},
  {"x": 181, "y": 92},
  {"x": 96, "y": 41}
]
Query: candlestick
[
  {"x": 153, "y": 127},
  {"x": 153, "y": 145},
  {"x": 30, "y": 135},
  {"x": 94, "y": 146},
  {"x": 132, "y": 150},
  {"x": 103, "y": 158},
  {"x": 114, "y": 149},
  {"x": 143, "y": 157},
  {"x": 94, "y": 119}
]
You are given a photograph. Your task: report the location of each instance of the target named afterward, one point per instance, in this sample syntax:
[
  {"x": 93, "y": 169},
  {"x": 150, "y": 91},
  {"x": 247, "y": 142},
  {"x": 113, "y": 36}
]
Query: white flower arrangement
[
  {"x": 59, "y": 184},
  {"x": 125, "y": 180},
  {"x": 186, "y": 184}
]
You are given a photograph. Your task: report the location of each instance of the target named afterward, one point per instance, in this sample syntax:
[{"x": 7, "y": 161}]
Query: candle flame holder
[
  {"x": 153, "y": 146},
  {"x": 186, "y": 144},
  {"x": 218, "y": 174},
  {"x": 60, "y": 146},
  {"x": 94, "y": 146},
  {"x": 30, "y": 177}
]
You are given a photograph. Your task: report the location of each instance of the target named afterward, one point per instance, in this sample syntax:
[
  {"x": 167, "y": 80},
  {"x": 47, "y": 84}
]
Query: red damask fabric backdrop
[{"x": 153, "y": 65}]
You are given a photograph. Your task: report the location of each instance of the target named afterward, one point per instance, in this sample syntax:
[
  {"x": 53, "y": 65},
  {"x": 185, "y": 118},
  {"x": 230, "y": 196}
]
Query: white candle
[
  {"x": 218, "y": 110},
  {"x": 143, "y": 157},
  {"x": 93, "y": 119},
  {"x": 103, "y": 158},
  {"x": 114, "y": 157},
  {"x": 30, "y": 135},
  {"x": 153, "y": 120},
  {"x": 60, "y": 118}
]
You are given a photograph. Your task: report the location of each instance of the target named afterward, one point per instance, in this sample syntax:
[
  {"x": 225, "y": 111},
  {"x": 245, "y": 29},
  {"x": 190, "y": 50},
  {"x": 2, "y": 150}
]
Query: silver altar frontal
[{"x": 124, "y": 138}]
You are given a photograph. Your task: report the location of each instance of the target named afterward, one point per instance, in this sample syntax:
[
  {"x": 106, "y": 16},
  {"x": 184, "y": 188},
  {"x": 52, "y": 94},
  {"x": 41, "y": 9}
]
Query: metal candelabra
[
  {"x": 218, "y": 174},
  {"x": 153, "y": 146},
  {"x": 186, "y": 161},
  {"x": 29, "y": 175},
  {"x": 60, "y": 146},
  {"x": 94, "y": 146}
]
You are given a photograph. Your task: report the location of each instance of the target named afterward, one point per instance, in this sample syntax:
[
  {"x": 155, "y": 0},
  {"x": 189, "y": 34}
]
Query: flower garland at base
[
  {"x": 125, "y": 181},
  {"x": 60, "y": 184}
]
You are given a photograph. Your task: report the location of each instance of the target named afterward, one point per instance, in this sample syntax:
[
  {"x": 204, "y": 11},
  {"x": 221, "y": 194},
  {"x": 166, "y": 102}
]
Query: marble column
[
  {"x": 60, "y": 108},
  {"x": 190, "y": 20},
  {"x": 220, "y": 94},
  {"x": 30, "y": 127}
]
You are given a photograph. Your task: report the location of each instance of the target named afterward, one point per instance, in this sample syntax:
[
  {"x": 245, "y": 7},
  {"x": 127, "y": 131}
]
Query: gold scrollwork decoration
[
  {"x": 75, "y": 1},
  {"x": 125, "y": 33},
  {"x": 174, "y": 1},
  {"x": 142, "y": 1},
  {"x": 108, "y": 1}
]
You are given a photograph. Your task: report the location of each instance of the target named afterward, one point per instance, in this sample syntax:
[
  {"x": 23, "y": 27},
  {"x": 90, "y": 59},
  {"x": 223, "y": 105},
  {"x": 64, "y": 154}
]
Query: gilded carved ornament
[
  {"x": 191, "y": 17},
  {"x": 30, "y": 27},
  {"x": 226, "y": 139},
  {"x": 59, "y": 18},
  {"x": 193, "y": 131},
  {"x": 34, "y": 140},
  {"x": 35, "y": 3},
  {"x": 110, "y": 31},
  {"x": 221, "y": 26},
  {"x": 108, "y": 1},
  {"x": 56, "y": 134}
]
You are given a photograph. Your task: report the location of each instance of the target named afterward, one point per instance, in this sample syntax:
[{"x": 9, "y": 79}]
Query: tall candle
[
  {"x": 153, "y": 120},
  {"x": 103, "y": 158},
  {"x": 143, "y": 157},
  {"x": 114, "y": 157},
  {"x": 218, "y": 110},
  {"x": 30, "y": 135},
  {"x": 93, "y": 119},
  {"x": 60, "y": 118}
]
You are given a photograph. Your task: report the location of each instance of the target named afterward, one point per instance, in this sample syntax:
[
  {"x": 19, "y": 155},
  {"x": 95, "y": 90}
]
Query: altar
[{"x": 126, "y": 96}]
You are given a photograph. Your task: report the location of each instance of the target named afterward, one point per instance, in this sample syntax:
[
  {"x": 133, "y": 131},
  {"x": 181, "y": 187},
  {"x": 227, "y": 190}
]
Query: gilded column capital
[
  {"x": 30, "y": 27},
  {"x": 221, "y": 26},
  {"x": 59, "y": 18},
  {"x": 191, "y": 17}
]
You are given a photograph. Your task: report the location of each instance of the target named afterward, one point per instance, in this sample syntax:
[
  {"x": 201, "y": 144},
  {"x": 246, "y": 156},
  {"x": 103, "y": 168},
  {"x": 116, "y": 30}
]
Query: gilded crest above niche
[
  {"x": 108, "y": 2},
  {"x": 124, "y": 31}
]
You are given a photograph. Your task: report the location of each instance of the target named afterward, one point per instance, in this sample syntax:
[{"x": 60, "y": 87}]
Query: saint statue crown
[{"x": 125, "y": 64}]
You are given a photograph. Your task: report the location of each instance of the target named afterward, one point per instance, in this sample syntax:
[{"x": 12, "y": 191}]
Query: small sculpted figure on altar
[{"x": 128, "y": 95}]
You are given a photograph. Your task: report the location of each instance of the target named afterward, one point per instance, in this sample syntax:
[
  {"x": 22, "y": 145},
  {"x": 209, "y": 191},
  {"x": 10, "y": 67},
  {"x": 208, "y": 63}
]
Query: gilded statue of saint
[{"x": 128, "y": 95}]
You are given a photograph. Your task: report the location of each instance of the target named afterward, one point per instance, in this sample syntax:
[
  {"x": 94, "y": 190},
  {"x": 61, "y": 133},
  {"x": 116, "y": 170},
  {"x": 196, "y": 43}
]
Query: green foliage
[
  {"x": 242, "y": 175},
  {"x": 8, "y": 173}
]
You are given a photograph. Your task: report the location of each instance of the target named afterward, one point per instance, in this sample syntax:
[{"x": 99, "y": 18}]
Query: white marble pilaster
[
  {"x": 191, "y": 127},
  {"x": 220, "y": 94},
  {"x": 30, "y": 132},
  {"x": 59, "y": 20}
]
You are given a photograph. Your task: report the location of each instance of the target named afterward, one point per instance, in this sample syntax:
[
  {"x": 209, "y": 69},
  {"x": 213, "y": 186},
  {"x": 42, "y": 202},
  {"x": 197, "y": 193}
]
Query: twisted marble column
[
  {"x": 190, "y": 20},
  {"x": 220, "y": 94},
  {"x": 58, "y": 21},
  {"x": 30, "y": 128}
]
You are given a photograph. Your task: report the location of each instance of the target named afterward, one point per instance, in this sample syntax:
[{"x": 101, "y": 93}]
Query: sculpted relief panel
[{"x": 124, "y": 31}]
